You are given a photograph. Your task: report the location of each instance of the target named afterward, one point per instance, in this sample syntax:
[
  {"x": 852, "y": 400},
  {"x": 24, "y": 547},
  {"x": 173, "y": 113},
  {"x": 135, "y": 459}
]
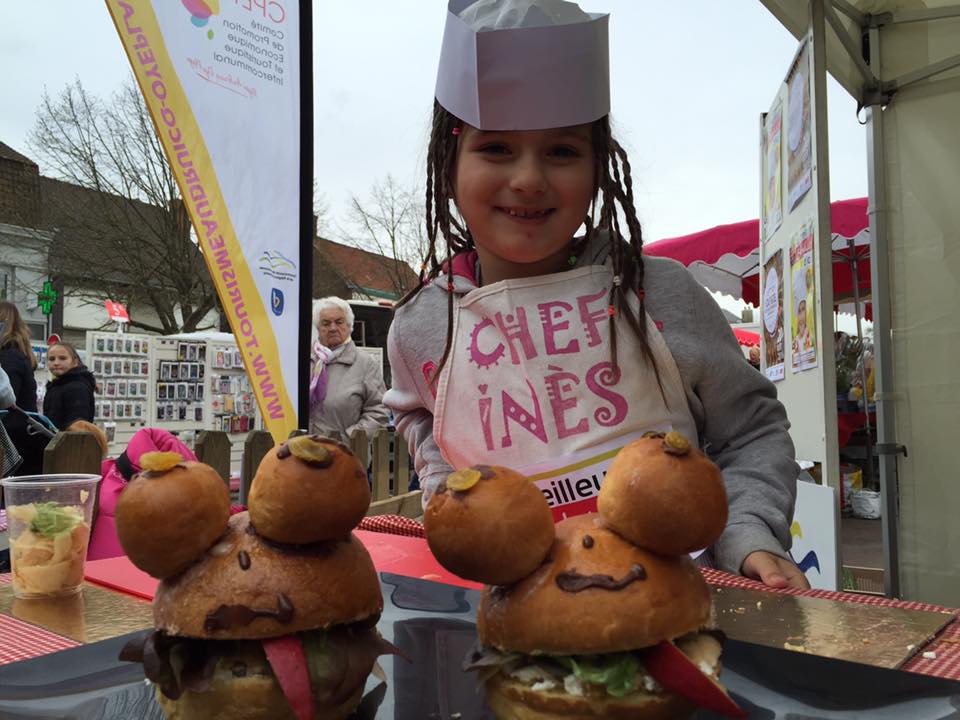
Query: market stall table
[
  {"x": 917, "y": 637},
  {"x": 875, "y": 630}
]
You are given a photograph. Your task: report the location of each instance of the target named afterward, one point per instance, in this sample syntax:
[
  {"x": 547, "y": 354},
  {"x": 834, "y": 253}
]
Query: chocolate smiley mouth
[{"x": 571, "y": 581}]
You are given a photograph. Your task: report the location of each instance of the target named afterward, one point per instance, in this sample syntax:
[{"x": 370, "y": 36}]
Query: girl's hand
[{"x": 773, "y": 571}]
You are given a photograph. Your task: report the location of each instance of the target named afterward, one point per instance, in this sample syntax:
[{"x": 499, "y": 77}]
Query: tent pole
[
  {"x": 855, "y": 275},
  {"x": 882, "y": 336}
]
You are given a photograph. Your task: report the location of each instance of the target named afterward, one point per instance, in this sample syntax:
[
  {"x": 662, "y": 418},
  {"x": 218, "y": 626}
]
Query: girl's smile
[{"x": 523, "y": 195}]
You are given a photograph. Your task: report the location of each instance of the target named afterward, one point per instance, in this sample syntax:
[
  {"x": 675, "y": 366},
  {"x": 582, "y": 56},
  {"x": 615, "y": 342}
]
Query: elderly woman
[{"x": 346, "y": 385}]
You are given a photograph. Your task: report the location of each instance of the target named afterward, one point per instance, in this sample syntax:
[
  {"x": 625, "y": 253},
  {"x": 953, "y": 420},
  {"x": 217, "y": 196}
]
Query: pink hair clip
[{"x": 456, "y": 131}]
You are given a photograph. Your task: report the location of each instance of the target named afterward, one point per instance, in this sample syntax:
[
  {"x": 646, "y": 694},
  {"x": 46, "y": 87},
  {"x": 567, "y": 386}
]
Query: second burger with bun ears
[
  {"x": 601, "y": 626},
  {"x": 253, "y": 625}
]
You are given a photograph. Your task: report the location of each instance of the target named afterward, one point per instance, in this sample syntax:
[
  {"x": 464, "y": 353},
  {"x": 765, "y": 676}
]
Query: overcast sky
[{"x": 689, "y": 80}]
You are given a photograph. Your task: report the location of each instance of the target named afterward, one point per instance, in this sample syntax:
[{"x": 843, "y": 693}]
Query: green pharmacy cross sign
[{"x": 47, "y": 297}]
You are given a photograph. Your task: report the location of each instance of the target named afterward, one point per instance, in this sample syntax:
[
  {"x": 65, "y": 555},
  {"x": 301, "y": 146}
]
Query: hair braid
[{"x": 616, "y": 187}]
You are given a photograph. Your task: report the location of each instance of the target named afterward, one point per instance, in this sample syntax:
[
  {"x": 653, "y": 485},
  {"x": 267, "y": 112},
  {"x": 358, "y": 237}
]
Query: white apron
[{"x": 529, "y": 385}]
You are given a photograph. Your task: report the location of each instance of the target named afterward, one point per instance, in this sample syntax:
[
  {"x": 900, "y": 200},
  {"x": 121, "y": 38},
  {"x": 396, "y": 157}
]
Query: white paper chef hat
[{"x": 524, "y": 64}]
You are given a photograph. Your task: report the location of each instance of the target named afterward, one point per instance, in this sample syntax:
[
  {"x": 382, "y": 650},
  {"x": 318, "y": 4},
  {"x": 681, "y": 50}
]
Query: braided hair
[{"x": 613, "y": 187}]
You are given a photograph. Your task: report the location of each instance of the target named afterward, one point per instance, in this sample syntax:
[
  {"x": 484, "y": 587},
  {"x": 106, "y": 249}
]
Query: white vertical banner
[{"x": 222, "y": 83}]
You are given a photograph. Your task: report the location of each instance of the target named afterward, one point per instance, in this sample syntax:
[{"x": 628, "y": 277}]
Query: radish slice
[
  {"x": 678, "y": 674},
  {"x": 289, "y": 663}
]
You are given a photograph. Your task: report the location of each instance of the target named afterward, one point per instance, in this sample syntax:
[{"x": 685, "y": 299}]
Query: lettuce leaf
[
  {"x": 320, "y": 661},
  {"x": 53, "y": 519},
  {"x": 617, "y": 672}
]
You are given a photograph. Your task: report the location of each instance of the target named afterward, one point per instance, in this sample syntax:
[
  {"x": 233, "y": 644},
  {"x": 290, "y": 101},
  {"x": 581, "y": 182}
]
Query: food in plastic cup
[{"x": 48, "y": 522}]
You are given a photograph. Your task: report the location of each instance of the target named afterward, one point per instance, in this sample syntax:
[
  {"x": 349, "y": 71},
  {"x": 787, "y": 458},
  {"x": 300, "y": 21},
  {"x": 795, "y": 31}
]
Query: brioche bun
[
  {"x": 512, "y": 700},
  {"x": 254, "y": 697},
  {"x": 325, "y": 584},
  {"x": 536, "y": 616},
  {"x": 166, "y": 520},
  {"x": 663, "y": 495},
  {"x": 496, "y": 531},
  {"x": 307, "y": 490}
]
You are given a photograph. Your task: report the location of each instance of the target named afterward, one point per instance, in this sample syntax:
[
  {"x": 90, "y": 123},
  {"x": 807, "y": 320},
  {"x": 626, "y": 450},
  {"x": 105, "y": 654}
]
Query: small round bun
[
  {"x": 307, "y": 490},
  {"x": 167, "y": 519},
  {"x": 80, "y": 426},
  {"x": 496, "y": 529},
  {"x": 512, "y": 700},
  {"x": 664, "y": 495},
  {"x": 246, "y": 587},
  {"x": 659, "y": 598}
]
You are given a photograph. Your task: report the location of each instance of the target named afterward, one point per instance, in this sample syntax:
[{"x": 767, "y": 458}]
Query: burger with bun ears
[
  {"x": 253, "y": 627},
  {"x": 602, "y": 627}
]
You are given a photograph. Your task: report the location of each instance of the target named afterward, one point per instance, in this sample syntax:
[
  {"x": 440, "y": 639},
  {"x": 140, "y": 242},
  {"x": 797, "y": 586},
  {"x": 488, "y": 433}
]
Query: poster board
[
  {"x": 796, "y": 283},
  {"x": 815, "y": 535}
]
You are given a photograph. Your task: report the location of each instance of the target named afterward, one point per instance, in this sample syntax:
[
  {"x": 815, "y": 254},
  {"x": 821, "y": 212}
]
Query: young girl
[
  {"x": 69, "y": 394},
  {"x": 536, "y": 346}
]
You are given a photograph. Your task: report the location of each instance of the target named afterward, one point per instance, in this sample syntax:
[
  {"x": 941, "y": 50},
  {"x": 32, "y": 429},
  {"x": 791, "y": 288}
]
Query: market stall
[
  {"x": 726, "y": 258},
  {"x": 183, "y": 383},
  {"x": 899, "y": 62}
]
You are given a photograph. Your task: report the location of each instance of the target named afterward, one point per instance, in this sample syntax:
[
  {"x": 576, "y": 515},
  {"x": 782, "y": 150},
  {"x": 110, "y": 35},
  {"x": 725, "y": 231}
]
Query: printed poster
[
  {"x": 772, "y": 182},
  {"x": 221, "y": 81},
  {"x": 803, "y": 323},
  {"x": 799, "y": 137},
  {"x": 771, "y": 308}
]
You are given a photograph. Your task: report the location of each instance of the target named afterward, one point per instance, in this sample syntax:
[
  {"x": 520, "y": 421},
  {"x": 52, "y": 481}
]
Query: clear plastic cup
[{"x": 48, "y": 522}]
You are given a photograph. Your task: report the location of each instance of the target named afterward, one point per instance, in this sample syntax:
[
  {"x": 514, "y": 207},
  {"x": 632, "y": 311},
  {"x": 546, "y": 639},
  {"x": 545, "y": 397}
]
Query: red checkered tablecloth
[
  {"x": 22, "y": 641},
  {"x": 393, "y": 524}
]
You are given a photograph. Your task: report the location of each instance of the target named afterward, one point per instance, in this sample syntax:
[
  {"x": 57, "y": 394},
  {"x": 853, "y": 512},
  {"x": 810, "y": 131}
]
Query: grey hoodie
[
  {"x": 741, "y": 424},
  {"x": 7, "y": 396}
]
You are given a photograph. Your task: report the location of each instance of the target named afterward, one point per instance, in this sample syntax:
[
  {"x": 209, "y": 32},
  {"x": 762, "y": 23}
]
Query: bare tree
[
  {"x": 321, "y": 210},
  {"x": 121, "y": 229},
  {"x": 390, "y": 222}
]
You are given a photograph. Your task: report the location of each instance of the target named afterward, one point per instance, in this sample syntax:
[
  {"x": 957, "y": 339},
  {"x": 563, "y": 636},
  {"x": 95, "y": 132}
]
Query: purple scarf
[{"x": 322, "y": 357}]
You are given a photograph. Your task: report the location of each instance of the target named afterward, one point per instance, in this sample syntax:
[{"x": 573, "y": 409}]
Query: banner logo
[
  {"x": 276, "y": 265},
  {"x": 201, "y": 10},
  {"x": 276, "y": 301}
]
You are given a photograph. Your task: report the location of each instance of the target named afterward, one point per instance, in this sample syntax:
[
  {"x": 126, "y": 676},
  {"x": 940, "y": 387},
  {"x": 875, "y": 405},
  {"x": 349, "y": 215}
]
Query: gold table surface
[
  {"x": 869, "y": 634},
  {"x": 94, "y": 614},
  {"x": 874, "y": 635}
]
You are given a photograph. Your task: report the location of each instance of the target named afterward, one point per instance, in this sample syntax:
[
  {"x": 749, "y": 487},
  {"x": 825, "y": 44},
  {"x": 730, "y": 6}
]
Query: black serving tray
[{"x": 434, "y": 625}]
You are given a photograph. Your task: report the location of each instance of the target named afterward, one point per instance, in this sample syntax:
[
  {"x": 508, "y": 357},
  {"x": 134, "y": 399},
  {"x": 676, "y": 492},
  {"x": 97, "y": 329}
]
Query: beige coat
[{"x": 354, "y": 396}]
